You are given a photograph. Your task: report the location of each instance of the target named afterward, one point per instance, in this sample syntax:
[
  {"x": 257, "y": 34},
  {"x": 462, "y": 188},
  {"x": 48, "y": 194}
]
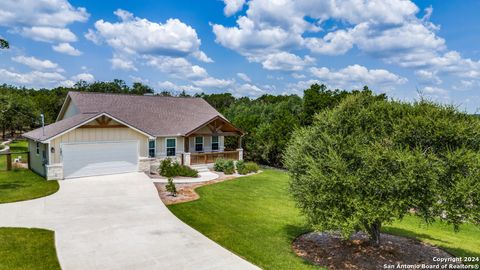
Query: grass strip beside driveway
[
  {"x": 22, "y": 248},
  {"x": 22, "y": 184}
]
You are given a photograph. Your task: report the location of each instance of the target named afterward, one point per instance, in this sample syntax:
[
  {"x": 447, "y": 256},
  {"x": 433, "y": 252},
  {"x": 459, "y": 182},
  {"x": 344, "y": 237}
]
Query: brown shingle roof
[
  {"x": 56, "y": 128},
  {"x": 155, "y": 115}
]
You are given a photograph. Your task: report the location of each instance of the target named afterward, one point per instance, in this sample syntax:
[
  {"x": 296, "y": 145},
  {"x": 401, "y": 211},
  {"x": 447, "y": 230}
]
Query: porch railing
[{"x": 210, "y": 157}]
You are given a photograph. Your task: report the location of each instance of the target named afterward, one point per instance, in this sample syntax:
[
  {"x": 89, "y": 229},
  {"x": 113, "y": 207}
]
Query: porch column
[
  {"x": 186, "y": 159},
  {"x": 240, "y": 153},
  {"x": 186, "y": 144},
  {"x": 239, "y": 142}
]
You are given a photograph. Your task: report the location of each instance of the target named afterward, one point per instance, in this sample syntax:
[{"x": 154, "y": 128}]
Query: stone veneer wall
[{"x": 54, "y": 171}]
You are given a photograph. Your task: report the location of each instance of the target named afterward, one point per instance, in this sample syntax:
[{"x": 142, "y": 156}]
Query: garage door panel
[{"x": 88, "y": 159}]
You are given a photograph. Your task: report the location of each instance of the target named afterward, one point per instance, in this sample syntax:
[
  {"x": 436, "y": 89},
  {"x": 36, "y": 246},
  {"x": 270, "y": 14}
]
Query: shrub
[
  {"x": 229, "y": 167},
  {"x": 169, "y": 168},
  {"x": 170, "y": 187},
  {"x": 240, "y": 167},
  {"x": 165, "y": 167},
  {"x": 183, "y": 170},
  {"x": 219, "y": 164},
  {"x": 251, "y": 167}
]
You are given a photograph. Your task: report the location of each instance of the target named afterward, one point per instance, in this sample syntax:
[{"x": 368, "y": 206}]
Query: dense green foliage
[
  {"x": 246, "y": 167},
  {"x": 370, "y": 161},
  {"x": 23, "y": 184},
  {"x": 224, "y": 165},
  {"x": 260, "y": 221},
  {"x": 22, "y": 248},
  {"x": 169, "y": 168}
]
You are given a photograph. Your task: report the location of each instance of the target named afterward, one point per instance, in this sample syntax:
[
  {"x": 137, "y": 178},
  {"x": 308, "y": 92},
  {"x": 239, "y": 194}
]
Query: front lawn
[
  {"x": 255, "y": 217},
  {"x": 22, "y": 248},
  {"x": 23, "y": 184}
]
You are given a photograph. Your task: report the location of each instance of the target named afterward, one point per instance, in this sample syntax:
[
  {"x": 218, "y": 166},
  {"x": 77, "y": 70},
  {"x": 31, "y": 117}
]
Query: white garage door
[{"x": 88, "y": 159}]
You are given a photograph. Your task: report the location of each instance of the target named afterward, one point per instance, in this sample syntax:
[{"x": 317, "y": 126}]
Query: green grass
[
  {"x": 255, "y": 217},
  {"x": 252, "y": 216},
  {"x": 15, "y": 146},
  {"x": 23, "y": 184},
  {"x": 466, "y": 242},
  {"x": 22, "y": 248}
]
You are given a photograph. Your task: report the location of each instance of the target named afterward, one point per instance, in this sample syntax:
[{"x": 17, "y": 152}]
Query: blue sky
[{"x": 402, "y": 48}]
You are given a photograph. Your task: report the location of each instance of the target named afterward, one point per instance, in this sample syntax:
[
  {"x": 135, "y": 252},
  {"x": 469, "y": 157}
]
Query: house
[{"x": 98, "y": 133}]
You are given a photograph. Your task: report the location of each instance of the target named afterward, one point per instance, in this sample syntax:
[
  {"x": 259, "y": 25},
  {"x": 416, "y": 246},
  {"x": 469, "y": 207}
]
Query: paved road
[{"x": 118, "y": 222}]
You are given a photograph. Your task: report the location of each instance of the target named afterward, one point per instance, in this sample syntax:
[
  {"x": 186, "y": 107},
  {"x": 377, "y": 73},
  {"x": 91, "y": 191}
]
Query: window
[
  {"x": 199, "y": 144},
  {"x": 38, "y": 148},
  {"x": 215, "y": 143},
  {"x": 171, "y": 145},
  {"x": 151, "y": 148}
]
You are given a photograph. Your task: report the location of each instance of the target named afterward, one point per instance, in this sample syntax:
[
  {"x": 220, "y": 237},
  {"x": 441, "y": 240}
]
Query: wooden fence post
[
  {"x": 28, "y": 160},
  {"x": 9, "y": 161}
]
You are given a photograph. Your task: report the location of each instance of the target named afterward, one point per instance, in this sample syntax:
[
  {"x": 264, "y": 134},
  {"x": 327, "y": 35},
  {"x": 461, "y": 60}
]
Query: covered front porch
[{"x": 206, "y": 143}]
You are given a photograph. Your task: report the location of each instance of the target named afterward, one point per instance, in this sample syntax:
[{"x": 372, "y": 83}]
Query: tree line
[{"x": 268, "y": 120}]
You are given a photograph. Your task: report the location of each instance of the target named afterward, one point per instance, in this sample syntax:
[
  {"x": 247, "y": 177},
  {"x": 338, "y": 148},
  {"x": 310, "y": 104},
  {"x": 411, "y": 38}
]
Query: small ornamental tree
[
  {"x": 370, "y": 161},
  {"x": 168, "y": 169}
]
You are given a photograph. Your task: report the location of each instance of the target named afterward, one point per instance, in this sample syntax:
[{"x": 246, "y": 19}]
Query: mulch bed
[
  {"x": 186, "y": 192},
  {"x": 331, "y": 251}
]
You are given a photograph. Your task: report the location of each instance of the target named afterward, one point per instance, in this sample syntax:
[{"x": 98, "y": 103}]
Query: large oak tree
[{"x": 370, "y": 161}]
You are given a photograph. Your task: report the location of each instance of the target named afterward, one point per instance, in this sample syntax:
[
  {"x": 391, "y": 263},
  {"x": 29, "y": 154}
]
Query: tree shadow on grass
[
  {"x": 412, "y": 234},
  {"x": 12, "y": 186},
  {"x": 294, "y": 231}
]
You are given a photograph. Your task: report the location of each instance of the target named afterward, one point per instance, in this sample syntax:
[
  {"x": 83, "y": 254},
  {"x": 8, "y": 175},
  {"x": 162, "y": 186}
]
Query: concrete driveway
[{"x": 118, "y": 222}]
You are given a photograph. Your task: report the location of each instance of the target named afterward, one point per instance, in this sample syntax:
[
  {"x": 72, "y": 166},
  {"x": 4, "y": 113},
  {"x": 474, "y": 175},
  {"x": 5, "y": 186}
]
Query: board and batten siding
[
  {"x": 98, "y": 135},
  {"x": 36, "y": 161}
]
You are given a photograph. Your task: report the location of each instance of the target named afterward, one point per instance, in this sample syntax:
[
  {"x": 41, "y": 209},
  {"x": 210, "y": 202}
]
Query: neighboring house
[{"x": 97, "y": 133}]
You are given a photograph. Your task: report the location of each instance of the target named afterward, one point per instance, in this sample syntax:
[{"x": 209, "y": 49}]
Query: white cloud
[
  {"x": 248, "y": 90},
  {"x": 36, "y": 63},
  {"x": 133, "y": 35},
  {"x": 387, "y": 30},
  {"x": 57, "y": 13},
  {"x": 244, "y": 77},
  {"x": 42, "y": 20},
  {"x": 123, "y": 64},
  {"x": 170, "y": 86},
  {"x": 333, "y": 43},
  {"x": 66, "y": 48},
  {"x": 177, "y": 67},
  {"x": 432, "y": 90},
  {"x": 250, "y": 40},
  {"x": 49, "y": 34},
  {"x": 298, "y": 76},
  {"x": 233, "y": 6},
  {"x": 31, "y": 79},
  {"x": 283, "y": 61},
  {"x": 87, "y": 77},
  {"x": 356, "y": 76},
  {"x": 93, "y": 37},
  {"x": 211, "y": 82},
  {"x": 139, "y": 79},
  {"x": 429, "y": 77}
]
